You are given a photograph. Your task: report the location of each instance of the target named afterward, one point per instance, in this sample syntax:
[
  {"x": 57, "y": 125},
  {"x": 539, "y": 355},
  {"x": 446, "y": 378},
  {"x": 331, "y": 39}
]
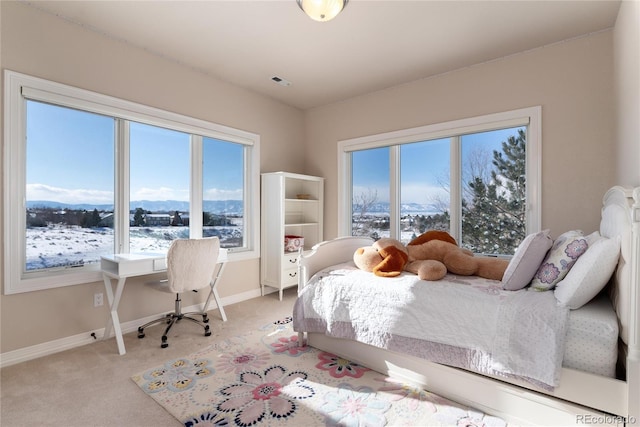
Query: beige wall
[
  {"x": 627, "y": 90},
  {"x": 572, "y": 81},
  {"x": 44, "y": 46}
]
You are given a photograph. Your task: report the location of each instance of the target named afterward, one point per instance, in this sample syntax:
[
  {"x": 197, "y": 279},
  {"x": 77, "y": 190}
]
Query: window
[
  {"x": 159, "y": 165},
  {"x": 99, "y": 175},
  {"x": 65, "y": 206},
  {"x": 476, "y": 178},
  {"x": 370, "y": 181},
  {"x": 223, "y": 189}
]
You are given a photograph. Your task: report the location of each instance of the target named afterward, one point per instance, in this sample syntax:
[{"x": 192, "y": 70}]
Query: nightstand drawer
[
  {"x": 289, "y": 276},
  {"x": 290, "y": 261}
]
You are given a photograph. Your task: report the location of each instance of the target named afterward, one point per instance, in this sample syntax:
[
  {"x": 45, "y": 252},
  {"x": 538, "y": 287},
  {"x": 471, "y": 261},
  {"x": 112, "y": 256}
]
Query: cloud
[
  {"x": 218, "y": 194},
  {"x": 411, "y": 192},
  {"x": 159, "y": 193},
  {"x": 81, "y": 195},
  {"x": 422, "y": 193},
  {"x": 68, "y": 195}
]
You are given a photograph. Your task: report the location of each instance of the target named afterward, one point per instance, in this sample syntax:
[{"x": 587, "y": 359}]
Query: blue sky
[
  {"x": 425, "y": 166},
  {"x": 60, "y": 137},
  {"x": 53, "y": 145}
]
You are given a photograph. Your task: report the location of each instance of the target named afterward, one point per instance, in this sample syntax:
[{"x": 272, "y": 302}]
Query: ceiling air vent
[{"x": 281, "y": 81}]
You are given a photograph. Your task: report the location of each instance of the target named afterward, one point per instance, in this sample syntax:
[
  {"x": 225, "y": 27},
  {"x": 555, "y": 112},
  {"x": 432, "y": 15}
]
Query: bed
[{"x": 594, "y": 350}]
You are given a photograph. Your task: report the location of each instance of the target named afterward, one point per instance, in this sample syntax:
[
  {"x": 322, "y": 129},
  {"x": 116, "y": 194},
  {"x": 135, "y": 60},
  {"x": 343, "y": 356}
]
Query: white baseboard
[{"x": 44, "y": 349}]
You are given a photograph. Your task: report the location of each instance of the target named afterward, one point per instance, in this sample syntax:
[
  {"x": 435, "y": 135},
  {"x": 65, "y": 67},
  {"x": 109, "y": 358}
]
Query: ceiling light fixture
[{"x": 322, "y": 10}]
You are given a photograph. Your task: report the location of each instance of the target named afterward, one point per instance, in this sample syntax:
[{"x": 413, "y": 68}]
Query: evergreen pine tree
[
  {"x": 494, "y": 218},
  {"x": 95, "y": 218},
  {"x": 138, "y": 217}
]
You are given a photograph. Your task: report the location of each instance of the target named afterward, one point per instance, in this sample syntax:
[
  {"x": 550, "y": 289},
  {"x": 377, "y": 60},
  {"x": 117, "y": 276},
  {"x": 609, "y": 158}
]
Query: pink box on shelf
[{"x": 293, "y": 243}]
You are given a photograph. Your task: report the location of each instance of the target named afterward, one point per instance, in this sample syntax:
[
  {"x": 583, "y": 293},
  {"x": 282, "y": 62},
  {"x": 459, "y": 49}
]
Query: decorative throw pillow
[
  {"x": 566, "y": 249},
  {"x": 526, "y": 260},
  {"x": 590, "y": 274}
]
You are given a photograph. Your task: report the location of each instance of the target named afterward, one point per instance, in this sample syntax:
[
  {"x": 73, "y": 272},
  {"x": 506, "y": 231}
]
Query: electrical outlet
[{"x": 98, "y": 300}]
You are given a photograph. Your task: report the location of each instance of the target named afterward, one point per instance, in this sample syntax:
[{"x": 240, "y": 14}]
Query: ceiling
[{"x": 371, "y": 45}]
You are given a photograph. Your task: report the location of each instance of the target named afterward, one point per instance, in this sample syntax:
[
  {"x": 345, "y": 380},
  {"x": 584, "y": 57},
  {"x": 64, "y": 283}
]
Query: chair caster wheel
[
  {"x": 207, "y": 334},
  {"x": 164, "y": 345},
  {"x": 140, "y": 333},
  {"x": 207, "y": 331}
]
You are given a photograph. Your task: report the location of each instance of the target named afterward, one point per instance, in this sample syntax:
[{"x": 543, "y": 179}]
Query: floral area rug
[{"x": 263, "y": 378}]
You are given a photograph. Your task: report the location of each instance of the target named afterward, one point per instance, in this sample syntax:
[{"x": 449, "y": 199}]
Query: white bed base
[{"x": 581, "y": 398}]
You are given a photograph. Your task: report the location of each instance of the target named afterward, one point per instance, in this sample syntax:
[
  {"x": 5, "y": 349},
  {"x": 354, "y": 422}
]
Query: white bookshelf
[{"x": 292, "y": 204}]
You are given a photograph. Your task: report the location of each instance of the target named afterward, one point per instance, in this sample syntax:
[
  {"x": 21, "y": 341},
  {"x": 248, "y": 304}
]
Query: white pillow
[
  {"x": 590, "y": 273},
  {"x": 526, "y": 260},
  {"x": 566, "y": 249},
  {"x": 594, "y": 237}
]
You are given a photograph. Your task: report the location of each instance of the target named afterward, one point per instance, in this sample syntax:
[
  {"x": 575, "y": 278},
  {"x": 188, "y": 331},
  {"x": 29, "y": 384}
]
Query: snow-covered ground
[{"x": 60, "y": 246}]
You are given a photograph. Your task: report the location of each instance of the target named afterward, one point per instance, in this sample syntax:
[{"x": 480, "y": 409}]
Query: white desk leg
[
  {"x": 214, "y": 292},
  {"x": 217, "y": 298},
  {"x": 114, "y": 320}
]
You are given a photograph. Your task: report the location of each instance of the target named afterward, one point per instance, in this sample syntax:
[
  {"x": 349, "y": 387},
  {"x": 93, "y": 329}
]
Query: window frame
[
  {"x": 19, "y": 87},
  {"x": 529, "y": 116}
]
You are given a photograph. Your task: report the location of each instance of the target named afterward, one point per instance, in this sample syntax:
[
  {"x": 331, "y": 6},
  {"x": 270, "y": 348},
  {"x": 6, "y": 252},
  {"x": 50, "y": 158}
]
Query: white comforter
[{"x": 466, "y": 322}]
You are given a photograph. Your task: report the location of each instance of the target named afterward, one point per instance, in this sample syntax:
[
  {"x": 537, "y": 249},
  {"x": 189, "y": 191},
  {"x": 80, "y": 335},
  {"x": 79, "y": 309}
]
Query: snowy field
[{"x": 62, "y": 246}]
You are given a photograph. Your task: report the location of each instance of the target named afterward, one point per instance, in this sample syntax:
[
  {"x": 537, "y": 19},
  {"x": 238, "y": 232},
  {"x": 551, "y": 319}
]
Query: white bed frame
[{"x": 581, "y": 398}]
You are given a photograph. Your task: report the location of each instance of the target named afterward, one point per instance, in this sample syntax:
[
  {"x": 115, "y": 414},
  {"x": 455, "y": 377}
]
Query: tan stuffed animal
[
  {"x": 429, "y": 255},
  {"x": 455, "y": 259},
  {"x": 425, "y": 267},
  {"x": 385, "y": 258},
  {"x": 388, "y": 258}
]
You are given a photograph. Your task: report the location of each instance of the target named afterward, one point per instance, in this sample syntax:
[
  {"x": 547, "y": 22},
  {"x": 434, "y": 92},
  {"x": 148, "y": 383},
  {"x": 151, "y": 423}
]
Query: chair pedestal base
[{"x": 171, "y": 318}]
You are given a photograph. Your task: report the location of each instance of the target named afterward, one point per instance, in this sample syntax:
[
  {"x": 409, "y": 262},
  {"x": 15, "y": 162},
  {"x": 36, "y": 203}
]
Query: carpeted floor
[
  {"x": 264, "y": 378},
  {"x": 91, "y": 385}
]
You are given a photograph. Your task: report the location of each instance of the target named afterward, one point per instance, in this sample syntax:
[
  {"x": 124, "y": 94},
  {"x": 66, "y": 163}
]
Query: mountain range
[{"x": 232, "y": 207}]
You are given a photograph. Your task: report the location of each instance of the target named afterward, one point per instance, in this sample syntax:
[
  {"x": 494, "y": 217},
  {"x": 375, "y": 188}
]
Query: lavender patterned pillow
[{"x": 565, "y": 251}]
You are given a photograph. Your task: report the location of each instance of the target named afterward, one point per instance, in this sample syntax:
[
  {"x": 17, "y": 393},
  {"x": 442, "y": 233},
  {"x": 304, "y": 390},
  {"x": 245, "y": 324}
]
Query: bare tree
[{"x": 361, "y": 206}]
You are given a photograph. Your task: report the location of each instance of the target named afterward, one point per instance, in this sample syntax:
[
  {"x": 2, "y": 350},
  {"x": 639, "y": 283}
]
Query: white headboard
[
  {"x": 328, "y": 253},
  {"x": 621, "y": 217}
]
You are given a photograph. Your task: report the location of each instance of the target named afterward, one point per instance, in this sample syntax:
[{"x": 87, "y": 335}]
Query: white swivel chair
[{"x": 191, "y": 264}]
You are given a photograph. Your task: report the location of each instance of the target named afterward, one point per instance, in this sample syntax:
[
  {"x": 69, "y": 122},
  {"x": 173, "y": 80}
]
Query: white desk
[{"x": 119, "y": 267}]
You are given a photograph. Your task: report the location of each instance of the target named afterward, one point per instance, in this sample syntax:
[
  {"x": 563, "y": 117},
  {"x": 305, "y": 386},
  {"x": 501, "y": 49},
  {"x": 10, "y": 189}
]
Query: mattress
[
  {"x": 592, "y": 338},
  {"x": 461, "y": 321}
]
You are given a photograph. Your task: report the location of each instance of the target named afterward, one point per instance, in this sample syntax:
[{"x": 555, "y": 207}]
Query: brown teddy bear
[{"x": 430, "y": 256}]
